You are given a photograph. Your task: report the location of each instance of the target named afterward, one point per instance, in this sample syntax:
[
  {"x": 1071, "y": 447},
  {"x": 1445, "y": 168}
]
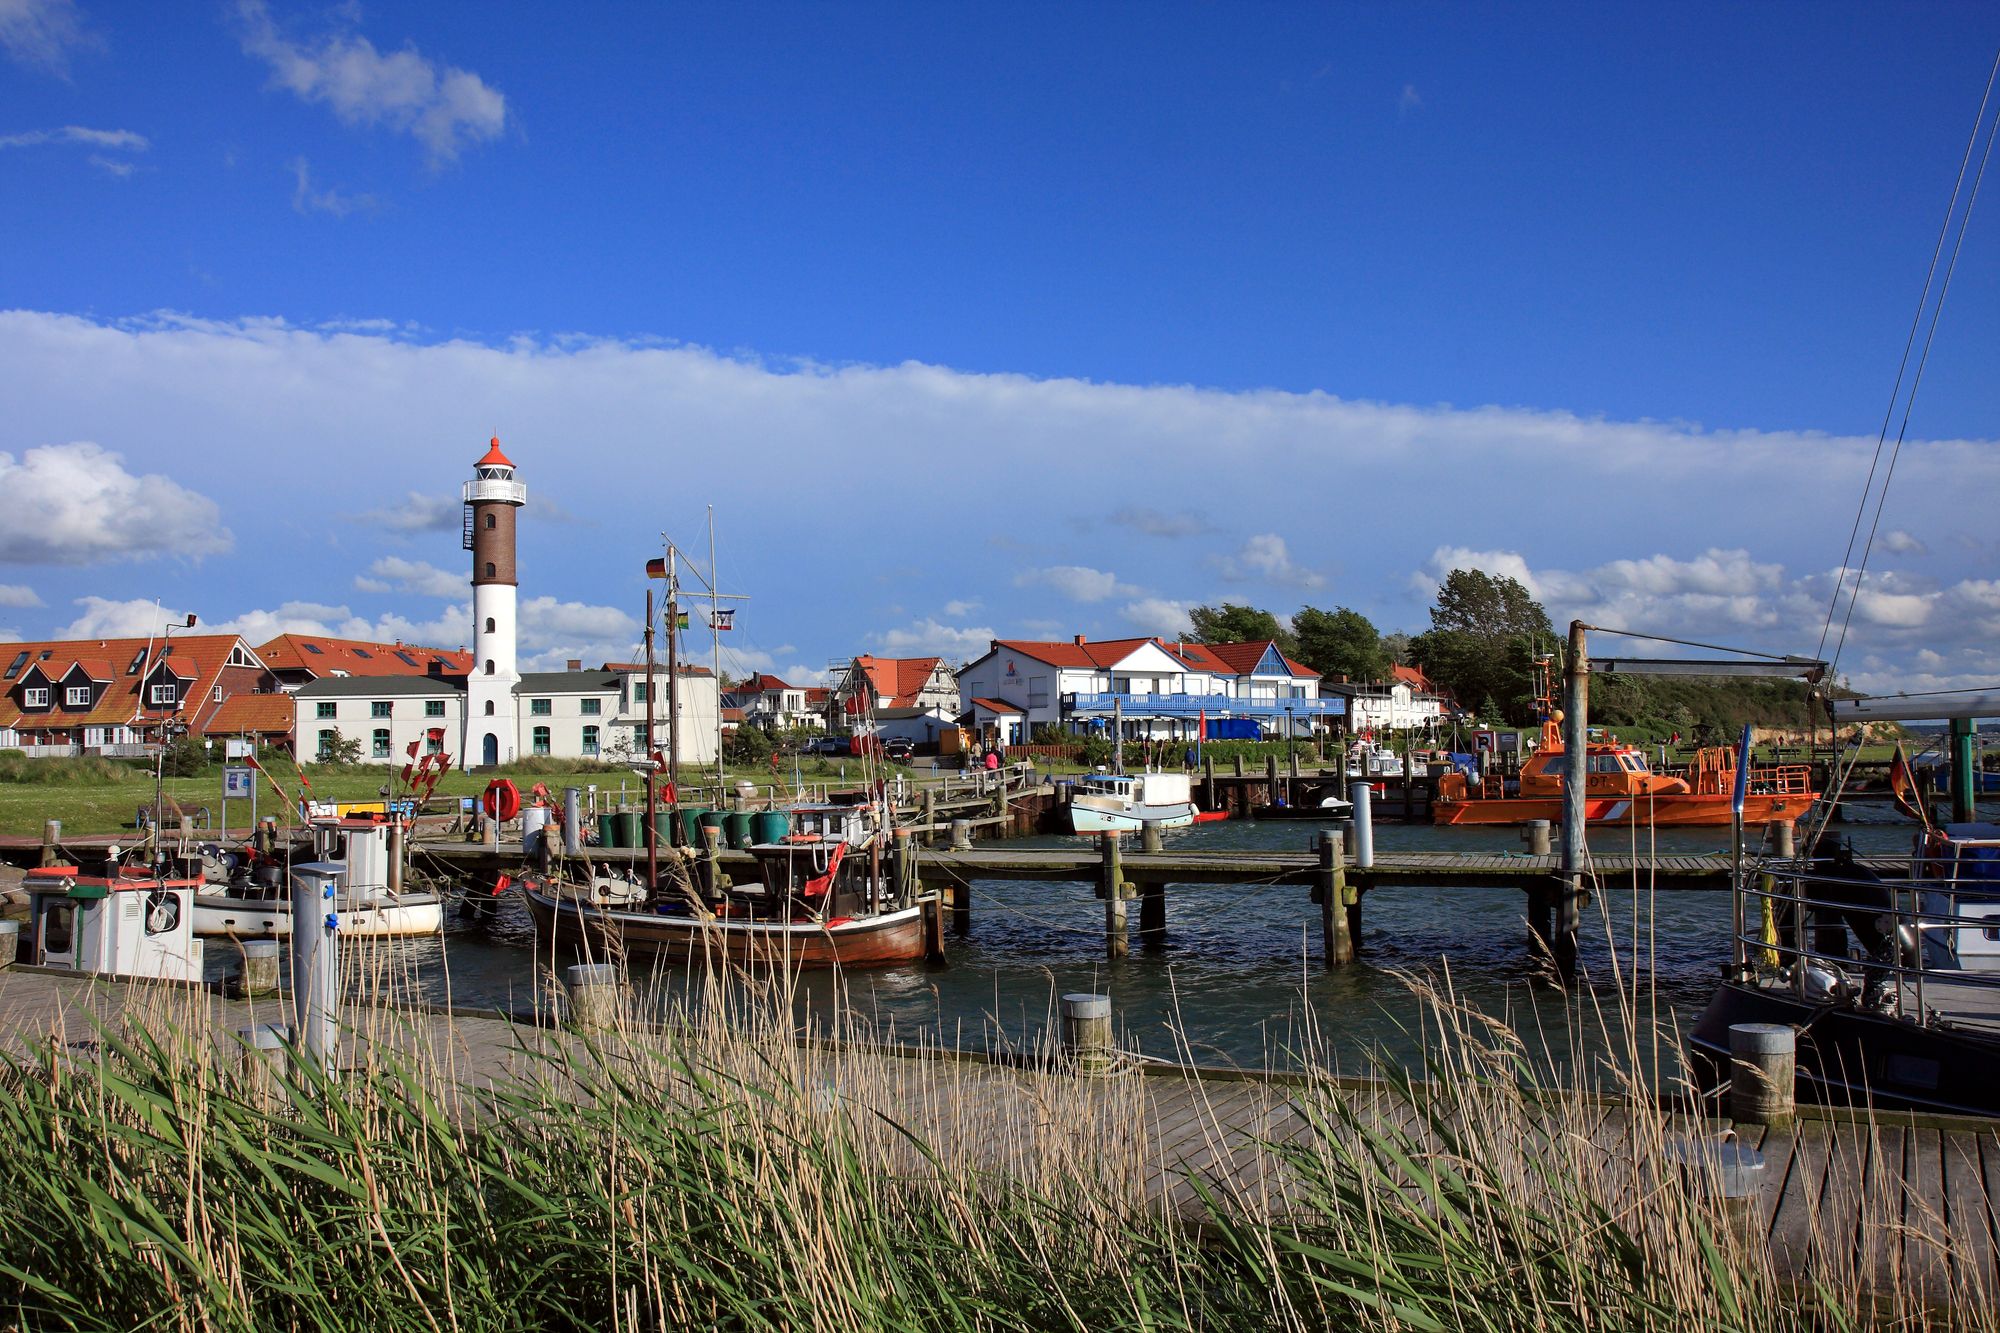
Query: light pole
[{"x": 166, "y": 723}]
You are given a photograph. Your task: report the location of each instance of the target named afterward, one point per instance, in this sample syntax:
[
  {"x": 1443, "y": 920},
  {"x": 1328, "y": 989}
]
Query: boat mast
[
  {"x": 673, "y": 675},
  {"x": 652, "y": 769},
  {"x": 715, "y": 651}
]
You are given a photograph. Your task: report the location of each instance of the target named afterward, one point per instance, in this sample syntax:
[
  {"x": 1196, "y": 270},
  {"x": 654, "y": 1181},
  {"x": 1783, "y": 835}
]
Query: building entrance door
[{"x": 489, "y": 750}]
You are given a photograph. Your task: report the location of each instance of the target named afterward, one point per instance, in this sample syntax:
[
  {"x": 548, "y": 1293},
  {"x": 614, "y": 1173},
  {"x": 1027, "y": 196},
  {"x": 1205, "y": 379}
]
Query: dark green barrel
[
  {"x": 770, "y": 826},
  {"x": 690, "y": 826},
  {"x": 736, "y": 829},
  {"x": 710, "y": 819},
  {"x": 663, "y": 827},
  {"x": 631, "y": 829},
  {"x": 607, "y": 830}
]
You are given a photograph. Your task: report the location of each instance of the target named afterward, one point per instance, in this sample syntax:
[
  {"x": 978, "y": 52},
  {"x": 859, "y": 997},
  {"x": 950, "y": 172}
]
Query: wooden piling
[
  {"x": 1763, "y": 1069},
  {"x": 593, "y": 996},
  {"x": 1208, "y": 794},
  {"x": 1330, "y": 892},
  {"x": 260, "y": 967},
  {"x": 711, "y": 862},
  {"x": 1270, "y": 779},
  {"x": 1149, "y": 837},
  {"x": 930, "y": 815},
  {"x": 1086, "y": 1032},
  {"x": 51, "y": 838},
  {"x": 1113, "y": 888}
]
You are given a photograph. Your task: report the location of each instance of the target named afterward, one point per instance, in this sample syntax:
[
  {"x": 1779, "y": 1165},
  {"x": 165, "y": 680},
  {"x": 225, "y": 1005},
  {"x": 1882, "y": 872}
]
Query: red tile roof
[
  {"x": 317, "y": 656},
  {"x": 1072, "y": 654},
  {"x": 197, "y": 661},
  {"x": 494, "y": 458},
  {"x": 997, "y": 706},
  {"x": 1415, "y": 678},
  {"x": 897, "y": 681},
  {"x": 1232, "y": 659},
  {"x": 252, "y": 714}
]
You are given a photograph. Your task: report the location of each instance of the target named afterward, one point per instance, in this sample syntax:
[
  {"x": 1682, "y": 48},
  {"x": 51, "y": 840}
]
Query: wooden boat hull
[
  {"x": 1672, "y": 811},
  {"x": 217, "y": 915},
  {"x": 881, "y": 941}
]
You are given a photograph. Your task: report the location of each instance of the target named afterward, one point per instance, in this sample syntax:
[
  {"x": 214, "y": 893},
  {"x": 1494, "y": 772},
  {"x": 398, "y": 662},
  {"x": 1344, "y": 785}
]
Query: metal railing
[{"x": 1792, "y": 915}]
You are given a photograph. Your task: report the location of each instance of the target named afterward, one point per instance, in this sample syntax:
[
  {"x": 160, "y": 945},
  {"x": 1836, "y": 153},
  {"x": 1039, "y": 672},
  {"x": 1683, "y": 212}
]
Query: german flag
[
  {"x": 1903, "y": 789},
  {"x": 656, "y": 569}
]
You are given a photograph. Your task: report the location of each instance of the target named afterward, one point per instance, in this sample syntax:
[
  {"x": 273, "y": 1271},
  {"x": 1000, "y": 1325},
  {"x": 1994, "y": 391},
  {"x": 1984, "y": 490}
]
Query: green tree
[
  {"x": 1230, "y": 623},
  {"x": 339, "y": 748},
  {"x": 1486, "y": 630},
  {"x": 746, "y": 745},
  {"x": 1340, "y": 642}
]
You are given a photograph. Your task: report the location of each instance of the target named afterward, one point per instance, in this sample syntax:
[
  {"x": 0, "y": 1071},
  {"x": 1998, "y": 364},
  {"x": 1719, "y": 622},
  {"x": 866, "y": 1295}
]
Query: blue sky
[{"x": 1027, "y": 321}]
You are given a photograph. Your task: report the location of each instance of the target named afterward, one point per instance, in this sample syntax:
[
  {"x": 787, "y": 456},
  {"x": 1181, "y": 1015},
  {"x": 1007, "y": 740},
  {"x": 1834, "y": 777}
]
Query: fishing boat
[
  {"x": 1321, "y": 810},
  {"x": 1127, "y": 802},
  {"x": 837, "y": 898},
  {"x": 245, "y": 894},
  {"x": 1622, "y": 787}
]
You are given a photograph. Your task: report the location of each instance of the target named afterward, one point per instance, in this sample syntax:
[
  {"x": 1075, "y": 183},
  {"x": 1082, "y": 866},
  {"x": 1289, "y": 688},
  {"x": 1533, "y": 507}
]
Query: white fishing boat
[
  {"x": 245, "y": 895},
  {"x": 1127, "y": 802}
]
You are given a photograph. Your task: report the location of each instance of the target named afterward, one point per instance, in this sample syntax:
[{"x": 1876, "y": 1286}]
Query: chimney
[
  {"x": 576, "y": 664},
  {"x": 1080, "y": 641}
]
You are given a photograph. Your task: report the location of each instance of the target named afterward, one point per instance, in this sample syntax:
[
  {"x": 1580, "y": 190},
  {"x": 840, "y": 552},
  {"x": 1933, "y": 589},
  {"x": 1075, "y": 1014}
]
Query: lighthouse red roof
[{"x": 494, "y": 458}]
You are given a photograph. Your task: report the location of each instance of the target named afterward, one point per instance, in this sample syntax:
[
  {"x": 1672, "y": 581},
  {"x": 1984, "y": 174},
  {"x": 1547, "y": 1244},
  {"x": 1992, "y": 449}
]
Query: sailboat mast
[
  {"x": 673, "y": 675},
  {"x": 715, "y": 651},
  {"x": 652, "y": 770}
]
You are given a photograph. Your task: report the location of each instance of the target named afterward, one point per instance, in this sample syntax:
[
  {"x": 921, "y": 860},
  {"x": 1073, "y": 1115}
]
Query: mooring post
[
  {"x": 593, "y": 996},
  {"x": 51, "y": 838},
  {"x": 1363, "y": 798},
  {"x": 260, "y": 967},
  {"x": 1964, "y": 771},
  {"x": 10, "y": 942},
  {"x": 1331, "y": 891},
  {"x": 1783, "y": 839},
  {"x": 316, "y": 960},
  {"x": 1270, "y": 779},
  {"x": 930, "y": 815},
  {"x": 1576, "y": 786},
  {"x": 906, "y": 866},
  {"x": 711, "y": 860},
  {"x": 1112, "y": 888},
  {"x": 1086, "y": 1033},
  {"x": 1149, "y": 837},
  {"x": 395, "y": 854},
  {"x": 572, "y": 821},
  {"x": 1208, "y": 800},
  {"x": 1153, "y": 915},
  {"x": 1763, "y": 1066},
  {"x": 1537, "y": 837},
  {"x": 961, "y": 835}
]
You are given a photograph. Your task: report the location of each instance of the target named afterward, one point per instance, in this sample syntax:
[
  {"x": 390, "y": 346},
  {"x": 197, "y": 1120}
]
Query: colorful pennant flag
[
  {"x": 1903, "y": 789},
  {"x": 723, "y": 618}
]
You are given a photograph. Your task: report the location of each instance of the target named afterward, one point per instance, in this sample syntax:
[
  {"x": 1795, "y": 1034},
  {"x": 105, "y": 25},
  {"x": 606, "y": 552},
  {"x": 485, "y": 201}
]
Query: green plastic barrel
[
  {"x": 691, "y": 827},
  {"x": 631, "y": 829},
  {"x": 770, "y": 826},
  {"x": 710, "y": 819},
  {"x": 736, "y": 829},
  {"x": 607, "y": 830},
  {"x": 663, "y": 827}
]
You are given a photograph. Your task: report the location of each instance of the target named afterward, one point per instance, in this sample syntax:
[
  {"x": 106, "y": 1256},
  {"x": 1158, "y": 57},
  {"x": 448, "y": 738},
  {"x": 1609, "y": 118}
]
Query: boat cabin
[{"x": 122, "y": 923}]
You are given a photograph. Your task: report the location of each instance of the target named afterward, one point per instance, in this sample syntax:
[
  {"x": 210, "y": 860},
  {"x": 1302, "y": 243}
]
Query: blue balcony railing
[{"x": 1191, "y": 706}]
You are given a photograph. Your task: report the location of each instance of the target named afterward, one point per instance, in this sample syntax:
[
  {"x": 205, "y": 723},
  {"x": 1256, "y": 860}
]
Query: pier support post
[
  {"x": 1537, "y": 837},
  {"x": 1153, "y": 916},
  {"x": 1113, "y": 888},
  {"x": 1086, "y": 1033},
  {"x": 263, "y": 1059},
  {"x": 711, "y": 862},
  {"x": 51, "y": 838},
  {"x": 572, "y": 821},
  {"x": 1270, "y": 779},
  {"x": 593, "y": 996},
  {"x": 1763, "y": 1067},
  {"x": 1363, "y": 797},
  {"x": 1149, "y": 837},
  {"x": 260, "y": 967},
  {"x": 961, "y": 835},
  {"x": 1964, "y": 769},
  {"x": 1330, "y": 891},
  {"x": 1783, "y": 840},
  {"x": 1576, "y": 782},
  {"x": 1208, "y": 798},
  {"x": 930, "y": 815}
]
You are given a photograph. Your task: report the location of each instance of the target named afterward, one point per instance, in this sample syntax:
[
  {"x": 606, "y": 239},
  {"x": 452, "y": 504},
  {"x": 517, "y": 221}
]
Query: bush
[
  {"x": 746, "y": 745},
  {"x": 186, "y": 757}
]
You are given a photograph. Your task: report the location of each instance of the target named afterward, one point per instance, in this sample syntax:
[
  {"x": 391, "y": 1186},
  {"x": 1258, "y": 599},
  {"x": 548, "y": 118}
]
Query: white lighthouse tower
[{"x": 492, "y": 500}]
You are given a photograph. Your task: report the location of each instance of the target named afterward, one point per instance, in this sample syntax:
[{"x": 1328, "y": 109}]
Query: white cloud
[
  {"x": 417, "y": 512},
  {"x": 412, "y": 576},
  {"x": 43, "y": 32},
  {"x": 106, "y": 618},
  {"x": 75, "y": 504},
  {"x": 1265, "y": 558},
  {"x": 1898, "y": 542},
  {"x": 1155, "y": 523},
  {"x": 931, "y": 638},
  {"x": 1079, "y": 583},
  {"x": 1159, "y": 615},
  {"x": 18, "y": 594},
  {"x": 127, "y": 141},
  {"x": 306, "y": 199},
  {"x": 443, "y": 107},
  {"x": 959, "y": 609}
]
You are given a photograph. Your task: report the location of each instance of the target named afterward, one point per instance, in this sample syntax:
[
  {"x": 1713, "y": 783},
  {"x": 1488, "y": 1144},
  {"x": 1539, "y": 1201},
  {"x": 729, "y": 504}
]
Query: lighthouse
[{"x": 493, "y": 498}]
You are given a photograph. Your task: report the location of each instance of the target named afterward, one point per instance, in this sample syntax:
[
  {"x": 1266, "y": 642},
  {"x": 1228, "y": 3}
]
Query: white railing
[{"x": 507, "y": 492}]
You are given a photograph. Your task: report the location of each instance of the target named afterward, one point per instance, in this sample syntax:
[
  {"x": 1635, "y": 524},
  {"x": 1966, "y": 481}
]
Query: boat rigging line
[
  {"x": 1696, "y": 643},
  {"x": 1896, "y": 392}
]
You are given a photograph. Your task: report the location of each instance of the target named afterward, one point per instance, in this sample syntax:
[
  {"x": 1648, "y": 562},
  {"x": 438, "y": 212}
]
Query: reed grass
[{"x": 725, "y": 1164}]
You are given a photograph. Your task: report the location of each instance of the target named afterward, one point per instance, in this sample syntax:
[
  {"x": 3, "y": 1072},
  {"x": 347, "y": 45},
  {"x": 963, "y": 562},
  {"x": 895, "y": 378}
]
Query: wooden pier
[{"x": 1886, "y": 1201}]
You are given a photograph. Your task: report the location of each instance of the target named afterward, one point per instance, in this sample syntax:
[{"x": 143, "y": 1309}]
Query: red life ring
[{"x": 502, "y": 799}]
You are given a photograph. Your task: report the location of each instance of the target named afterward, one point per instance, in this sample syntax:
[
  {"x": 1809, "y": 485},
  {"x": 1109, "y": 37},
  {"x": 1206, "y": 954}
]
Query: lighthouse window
[
  {"x": 489, "y": 521},
  {"x": 489, "y": 666},
  {"x": 489, "y": 620},
  {"x": 489, "y": 569},
  {"x": 489, "y": 708}
]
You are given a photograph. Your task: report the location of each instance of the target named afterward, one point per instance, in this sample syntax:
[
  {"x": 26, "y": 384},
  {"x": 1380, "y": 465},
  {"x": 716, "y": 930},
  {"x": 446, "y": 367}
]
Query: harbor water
[{"x": 1241, "y": 981}]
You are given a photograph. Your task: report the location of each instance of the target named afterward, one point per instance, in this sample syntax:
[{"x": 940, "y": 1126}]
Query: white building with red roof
[
  {"x": 1159, "y": 689},
  {"x": 914, "y": 698},
  {"x": 117, "y": 697},
  {"x": 298, "y": 658}
]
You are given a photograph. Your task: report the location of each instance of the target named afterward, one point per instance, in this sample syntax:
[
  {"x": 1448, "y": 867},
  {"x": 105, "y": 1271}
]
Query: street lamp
[{"x": 166, "y": 724}]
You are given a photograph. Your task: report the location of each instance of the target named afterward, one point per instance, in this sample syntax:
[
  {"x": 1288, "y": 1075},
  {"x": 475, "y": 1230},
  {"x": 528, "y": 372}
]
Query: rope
[{"x": 1690, "y": 643}]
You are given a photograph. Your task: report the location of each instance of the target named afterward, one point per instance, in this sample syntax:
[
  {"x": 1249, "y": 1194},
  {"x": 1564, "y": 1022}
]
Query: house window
[
  {"x": 590, "y": 742},
  {"x": 489, "y": 569},
  {"x": 433, "y": 708},
  {"x": 380, "y": 747},
  {"x": 541, "y": 740},
  {"x": 37, "y": 698},
  {"x": 639, "y": 738},
  {"x": 323, "y": 711},
  {"x": 593, "y": 707},
  {"x": 1038, "y": 691},
  {"x": 164, "y": 694},
  {"x": 433, "y": 744},
  {"x": 78, "y": 696},
  {"x": 490, "y": 623},
  {"x": 379, "y": 708},
  {"x": 541, "y": 707},
  {"x": 327, "y": 740},
  {"x": 638, "y": 691}
]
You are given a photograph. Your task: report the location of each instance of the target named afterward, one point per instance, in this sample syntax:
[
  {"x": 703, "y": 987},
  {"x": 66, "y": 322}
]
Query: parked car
[
  {"x": 828, "y": 745},
  {"x": 899, "y": 748}
]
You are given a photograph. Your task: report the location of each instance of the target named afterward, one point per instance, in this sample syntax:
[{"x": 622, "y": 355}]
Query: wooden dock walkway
[{"x": 1896, "y": 1201}]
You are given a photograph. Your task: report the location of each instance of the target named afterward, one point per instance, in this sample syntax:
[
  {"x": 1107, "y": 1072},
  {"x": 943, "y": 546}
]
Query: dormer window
[
  {"x": 163, "y": 694},
  {"x": 77, "y": 696},
  {"x": 35, "y": 697}
]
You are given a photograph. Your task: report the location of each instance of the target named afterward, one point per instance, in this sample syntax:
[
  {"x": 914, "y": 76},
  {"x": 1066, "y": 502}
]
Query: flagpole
[
  {"x": 715, "y": 652},
  {"x": 652, "y": 770}
]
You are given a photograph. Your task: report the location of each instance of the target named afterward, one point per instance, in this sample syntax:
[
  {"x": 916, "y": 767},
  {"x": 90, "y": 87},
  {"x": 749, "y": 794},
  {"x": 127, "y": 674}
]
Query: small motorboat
[{"x": 1127, "y": 802}]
